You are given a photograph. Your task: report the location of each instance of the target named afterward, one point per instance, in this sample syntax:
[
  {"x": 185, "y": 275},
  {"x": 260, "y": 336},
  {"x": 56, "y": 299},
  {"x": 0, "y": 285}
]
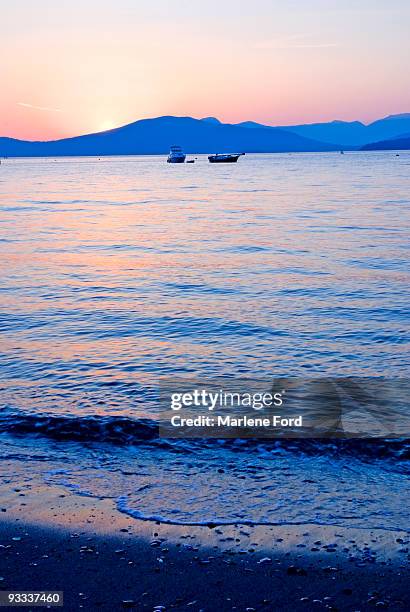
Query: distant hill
[
  {"x": 346, "y": 133},
  {"x": 395, "y": 144},
  {"x": 155, "y": 136},
  {"x": 209, "y": 135}
]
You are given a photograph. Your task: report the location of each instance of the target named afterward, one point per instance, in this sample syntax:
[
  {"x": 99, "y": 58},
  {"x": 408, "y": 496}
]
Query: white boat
[{"x": 176, "y": 155}]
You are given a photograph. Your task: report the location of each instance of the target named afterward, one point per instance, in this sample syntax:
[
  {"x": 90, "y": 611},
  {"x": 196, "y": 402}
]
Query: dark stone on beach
[
  {"x": 347, "y": 591},
  {"x": 296, "y": 571},
  {"x": 128, "y": 603},
  {"x": 264, "y": 561}
]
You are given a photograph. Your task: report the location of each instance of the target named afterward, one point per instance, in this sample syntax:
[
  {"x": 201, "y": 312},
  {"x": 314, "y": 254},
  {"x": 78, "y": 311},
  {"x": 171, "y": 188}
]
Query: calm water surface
[{"x": 118, "y": 272}]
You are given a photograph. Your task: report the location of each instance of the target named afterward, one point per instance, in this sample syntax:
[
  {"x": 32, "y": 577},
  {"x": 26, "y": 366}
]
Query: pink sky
[{"x": 82, "y": 66}]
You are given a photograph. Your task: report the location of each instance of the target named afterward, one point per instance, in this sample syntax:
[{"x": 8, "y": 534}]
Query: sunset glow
[{"x": 78, "y": 67}]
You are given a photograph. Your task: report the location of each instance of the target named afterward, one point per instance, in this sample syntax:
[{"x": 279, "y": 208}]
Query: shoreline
[{"x": 105, "y": 560}]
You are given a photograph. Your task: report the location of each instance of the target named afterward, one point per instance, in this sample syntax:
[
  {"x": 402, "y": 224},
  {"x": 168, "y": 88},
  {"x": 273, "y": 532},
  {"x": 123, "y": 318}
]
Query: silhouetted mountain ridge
[
  {"x": 348, "y": 133},
  {"x": 395, "y": 144},
  {"x": 155, "y": 136},
  {"x": 210, "y": 135}
]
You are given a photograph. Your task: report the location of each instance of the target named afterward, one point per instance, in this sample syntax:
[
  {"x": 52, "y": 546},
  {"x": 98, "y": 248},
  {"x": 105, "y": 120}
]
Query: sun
[{"x": 106, "y": 125}]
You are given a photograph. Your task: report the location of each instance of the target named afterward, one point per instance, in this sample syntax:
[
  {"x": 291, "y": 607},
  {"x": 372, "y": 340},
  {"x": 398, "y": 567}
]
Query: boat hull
[
  {"x": 176, "y": 160},
  {"x": 224, "y": 159}
]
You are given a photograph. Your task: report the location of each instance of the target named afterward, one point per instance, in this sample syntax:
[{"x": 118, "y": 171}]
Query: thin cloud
[
  {"x": 274, "y": 45},
  {"x": 294, "y": 41},
  {"x": 40, "y": 108}
]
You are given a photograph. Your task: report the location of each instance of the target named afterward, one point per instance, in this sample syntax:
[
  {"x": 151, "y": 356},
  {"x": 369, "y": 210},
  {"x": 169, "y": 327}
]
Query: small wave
[
  {"x": 126, "y": 431},
  {"x": 211, "y": 523},
  {"x": 94, "y": 428}
]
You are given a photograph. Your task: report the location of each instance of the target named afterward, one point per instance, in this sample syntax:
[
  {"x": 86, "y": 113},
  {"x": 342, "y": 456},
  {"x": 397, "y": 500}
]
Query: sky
[{"x": 79, "y": 66}]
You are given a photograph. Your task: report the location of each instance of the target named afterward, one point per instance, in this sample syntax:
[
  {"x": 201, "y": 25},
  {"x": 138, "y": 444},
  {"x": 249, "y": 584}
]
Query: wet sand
[{"x": 103, "y": 560}]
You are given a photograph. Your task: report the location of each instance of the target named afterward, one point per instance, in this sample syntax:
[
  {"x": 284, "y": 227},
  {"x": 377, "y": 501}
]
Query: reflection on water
[
  {"x": 122, "y": 272},
  {"x": 116, "y": 272}
]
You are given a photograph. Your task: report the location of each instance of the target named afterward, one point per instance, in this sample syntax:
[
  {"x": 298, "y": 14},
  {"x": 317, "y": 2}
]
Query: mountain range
[
  {"x": 209, "y": 135},
  {"x": 395, "y": 144},
  {"x": 353, "y": 133}
]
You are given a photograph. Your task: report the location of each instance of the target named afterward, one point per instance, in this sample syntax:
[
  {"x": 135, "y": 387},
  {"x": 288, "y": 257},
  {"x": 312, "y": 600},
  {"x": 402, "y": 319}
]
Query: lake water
[{"x": 117, "y": 272}]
